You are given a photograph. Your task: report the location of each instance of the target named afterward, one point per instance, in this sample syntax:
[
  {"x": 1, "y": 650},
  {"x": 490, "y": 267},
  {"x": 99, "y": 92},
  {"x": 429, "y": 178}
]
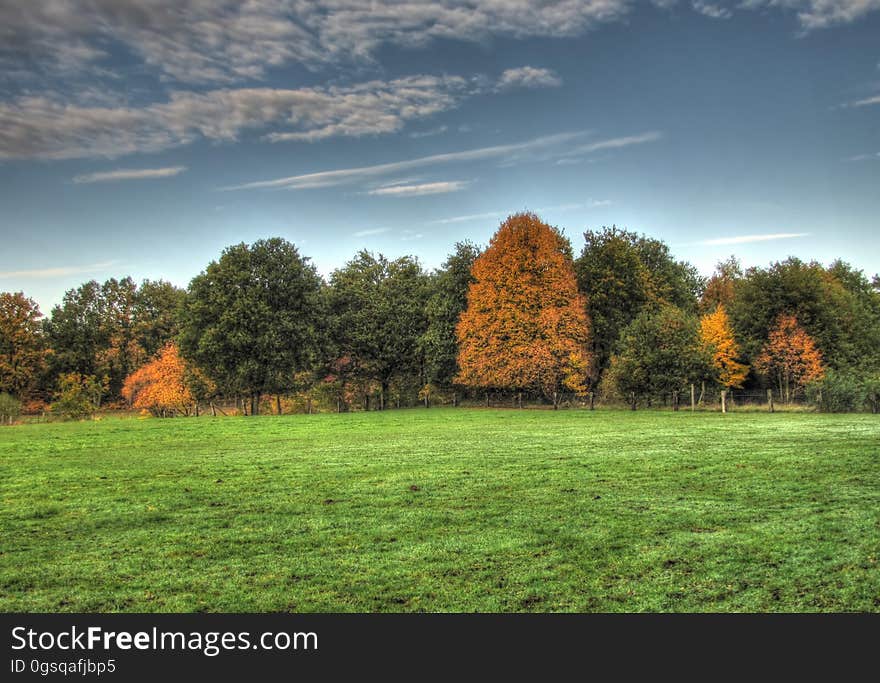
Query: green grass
[{"x": 439, "y": 510}]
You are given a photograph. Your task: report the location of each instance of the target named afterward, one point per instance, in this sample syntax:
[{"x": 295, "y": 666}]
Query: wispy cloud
[
  {"x": 420, "y": 189},
  {"x": 541, "y": 148},
  {"x": 129, "y": 174},
  {"x": 59, "y": 271},
  {"x": 711, "y": 10},
  {"x": 593, "y": 203},
  {"x": 746, "y": 239},
  {"x": 867, "y": 102},
  {"x": 439, "y": 130},
  {"x": 528, "y": 77},
  {"x": 368, "y": 233},
  {"x": 468, "y": 217},
  {"x": 865, "y": 157}
]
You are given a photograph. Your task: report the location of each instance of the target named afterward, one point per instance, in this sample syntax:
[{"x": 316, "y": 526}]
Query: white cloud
[
  {"x": 368, "y": 233},
  {"x": 711, "y": 10},
  {"x": 196, "y": 41},
  {"x": 468, "y": 217},
  {"x": 867, "y": 102},
  {"x": 46, "y": 127},
  {"x": 746, "y": 239},
  {"x": 865, "y": 157},
  {"x": 528, "y": 77},
  {"x": 439, "y": 130},
  {"x": 59, "y": 271},
  {"x": 420, "y": 189},
  {"x": 542, "y": 148},
  {"x": 129, "y": 174}
]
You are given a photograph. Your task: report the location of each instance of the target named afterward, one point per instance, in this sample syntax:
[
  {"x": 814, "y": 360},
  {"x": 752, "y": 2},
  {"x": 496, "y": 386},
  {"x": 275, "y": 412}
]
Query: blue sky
[{"x": 142, "y": 138}]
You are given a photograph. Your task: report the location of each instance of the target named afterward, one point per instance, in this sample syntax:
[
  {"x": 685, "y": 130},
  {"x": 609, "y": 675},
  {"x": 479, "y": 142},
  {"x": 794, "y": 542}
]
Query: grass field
[{"x": 443, "y": 509}]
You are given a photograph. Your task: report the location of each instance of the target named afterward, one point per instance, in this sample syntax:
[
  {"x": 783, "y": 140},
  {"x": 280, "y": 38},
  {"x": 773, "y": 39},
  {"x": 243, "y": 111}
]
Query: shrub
[
  {"x": 10, "y": 408},
  {"x": 78, "y": 396},
  {"x": 838, "y": 392}
]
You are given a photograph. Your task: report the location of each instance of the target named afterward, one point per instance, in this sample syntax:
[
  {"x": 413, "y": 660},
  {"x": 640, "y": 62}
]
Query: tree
[
  {"x": 22, "y": 347},
  {"x": 621, "y": 273},
  {"x": 445, "y": 306},
  {"x": 377, "y": 317},
  {"x": 525, "y": 326},
  {"x": 790, "y": 357},
  {"x": 251, "y": 319},
  {"x": 78, "y": 395},
  {"x": 157, "y": 308},
  {"x": 720, "y": 288},
  {"x": 161, "y": 385},
  {"x": 717, "y": 337},
  {"x": 659, "y": 355}
]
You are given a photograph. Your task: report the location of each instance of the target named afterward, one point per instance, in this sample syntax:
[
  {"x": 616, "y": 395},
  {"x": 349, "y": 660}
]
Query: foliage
[
  {"x": 716, "y": 336},
  {"x": 838, "y": 392},
  {"x": 377, "y": 317},
  {"x": 525, "y": 326},
  {"x": 621, "y": 273},
  {"x": 565, "y": 511},
  {"x": 160, "y": 386},
  {"x": 22, "y": 347},
  {"x": 659, "y": 353},
  {"x": 790, "y": 357},
  {"x": 720, "y": 287},
  {"x": 444, "y": 308},
  {"x": 10, "y": 408},
  {"x": 251, "y": 319},
  {"x": 78, "y": 395}
]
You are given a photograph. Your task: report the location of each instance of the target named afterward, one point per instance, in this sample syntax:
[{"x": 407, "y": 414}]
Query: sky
[{"x": 141, "y": 138}]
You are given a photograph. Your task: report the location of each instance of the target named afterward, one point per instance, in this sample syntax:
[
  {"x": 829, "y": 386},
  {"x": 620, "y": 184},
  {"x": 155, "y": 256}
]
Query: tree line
[{"x": 621, "y": 319}]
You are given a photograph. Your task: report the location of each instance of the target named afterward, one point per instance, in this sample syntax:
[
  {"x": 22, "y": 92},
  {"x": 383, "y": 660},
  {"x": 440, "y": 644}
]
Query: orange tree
[
  {"x": 716, "y": 336},
  {"x": 790, "y": 357},
  {"x": 160, "y": 386},
  {"x": 526, "y": 325},
  {"x": 22, "y": 347}
]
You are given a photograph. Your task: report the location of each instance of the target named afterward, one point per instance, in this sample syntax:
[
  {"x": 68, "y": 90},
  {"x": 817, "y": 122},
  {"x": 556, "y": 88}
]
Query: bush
[
  {"x": 78, "y": 396},
  {"x": 838, "y": 392},
  {"x": 10, "y": 408}
]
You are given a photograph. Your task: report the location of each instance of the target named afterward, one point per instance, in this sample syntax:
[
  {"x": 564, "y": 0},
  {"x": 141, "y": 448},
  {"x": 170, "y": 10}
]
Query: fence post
[
  {"x": 770, "y": 399},
  {"x": 724, "y": 400},
  {"x": 693, "y": 404}
]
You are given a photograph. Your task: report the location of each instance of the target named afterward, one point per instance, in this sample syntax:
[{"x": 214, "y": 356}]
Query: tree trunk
[
  {"x": 367, "y": 403},
  {"x": 383, "y": 395},
  {"x": 278, "y": 404},
  {"x": 519, "y": 400},
  {"x": 693, "y": 402},
  {"x": 723, "y": 401},
  {"x": 338, "y": 405},
  {"x": 454, "y": 400},
  {"x": 770, "y": 399},
  {"x": 196, "y": 408},
  {"x": 487, "y": 399},
  {"x": 309, "y": 404},
  {"x": 213, "y": 410},
  {"x": 555, "y": 400},
  {"x": 702, "y": 392},
  {"x": 592, "y": 401}
]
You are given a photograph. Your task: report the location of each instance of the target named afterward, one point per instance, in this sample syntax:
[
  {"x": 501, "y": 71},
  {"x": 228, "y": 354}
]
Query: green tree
[
  {"x": 157, "y": 309},
  {"x": 377, "y": 317},
  {"x": 447, "y": 302},
  {"x": 622, "y": 273},
  {"x": 659, "y": 354},
  {"x": 251, "y": 320}
]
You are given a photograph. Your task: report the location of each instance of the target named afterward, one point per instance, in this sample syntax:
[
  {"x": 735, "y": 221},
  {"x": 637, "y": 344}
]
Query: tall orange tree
[
  {"x": 717, "y": 338},
  {"x": 790, "y": 357},
  {"x": 160, "y": 386},
  {"x": 525, "y": 326},
  {"x": 22, "y": 347}
]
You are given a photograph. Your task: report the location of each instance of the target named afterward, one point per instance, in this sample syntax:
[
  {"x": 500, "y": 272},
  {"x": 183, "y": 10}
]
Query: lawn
[{"x": 443, "y": 510}]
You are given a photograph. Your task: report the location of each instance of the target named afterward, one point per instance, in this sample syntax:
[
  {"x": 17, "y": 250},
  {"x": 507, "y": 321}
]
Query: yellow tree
[
  {"x": 790, "y": 357},
  {"x": 160, "y": 386},
  {"x": 717, "y": 338},
  {"x": 526, "y": 325}
]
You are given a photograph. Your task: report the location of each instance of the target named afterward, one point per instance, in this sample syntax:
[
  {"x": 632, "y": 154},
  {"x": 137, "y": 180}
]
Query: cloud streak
[
  {"x": 129, "y": 174},
  {"x": 420, "y": 189},
  {"x": 748, "y": 239},
  {"x": 541, "y": 148},
  {"x": 59, "y": 271}
]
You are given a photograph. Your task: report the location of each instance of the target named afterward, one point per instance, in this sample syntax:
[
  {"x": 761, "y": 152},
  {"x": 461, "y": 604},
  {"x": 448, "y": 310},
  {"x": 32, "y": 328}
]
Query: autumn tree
[
  {"x": 790, "y": 357},
  {"x": 22, "y": 346},
  {"x": 717, "y": 337},
  {"x": 525, "y": 326},
  {"x": 251, "y": 319},
  {"x": 659, "y": 354},
  {"x": 720, "y": 287},
  {"x": 376, "y": 310},
  {"x": 160, "y": 386}
]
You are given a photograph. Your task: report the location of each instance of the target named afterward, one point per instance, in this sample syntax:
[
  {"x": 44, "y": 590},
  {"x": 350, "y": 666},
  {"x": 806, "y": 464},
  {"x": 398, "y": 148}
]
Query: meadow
[{"x": 443, "y": 510}]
